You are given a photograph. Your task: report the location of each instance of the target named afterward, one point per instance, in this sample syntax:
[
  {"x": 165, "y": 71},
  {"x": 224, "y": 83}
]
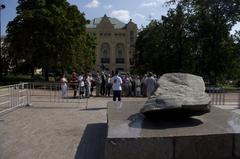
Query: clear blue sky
[{"x": 140, "y": 11}]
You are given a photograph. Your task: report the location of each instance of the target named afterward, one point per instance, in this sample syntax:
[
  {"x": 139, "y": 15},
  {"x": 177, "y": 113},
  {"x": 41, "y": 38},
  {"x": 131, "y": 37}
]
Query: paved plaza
[
  {"x": 58, "y": 130},
  {"x": 55, "y": 130}
]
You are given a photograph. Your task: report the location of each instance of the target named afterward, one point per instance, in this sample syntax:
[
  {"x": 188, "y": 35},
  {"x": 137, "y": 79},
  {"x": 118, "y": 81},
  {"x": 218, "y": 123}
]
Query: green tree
[
  {"x": 4, "y": 60},
  {"x": 235, "y": 72},
  {"x": 165, "y": 45},
  {"x": 145, "y": 44},
  {"x": 214, "y": 46},
  {"x": 49, "y": 34},
  {"x": 194, "y": 37}
]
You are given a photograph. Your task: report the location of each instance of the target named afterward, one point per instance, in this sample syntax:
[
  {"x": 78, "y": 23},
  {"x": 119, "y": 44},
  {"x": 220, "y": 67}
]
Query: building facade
[{"x": 115, "y": 43}]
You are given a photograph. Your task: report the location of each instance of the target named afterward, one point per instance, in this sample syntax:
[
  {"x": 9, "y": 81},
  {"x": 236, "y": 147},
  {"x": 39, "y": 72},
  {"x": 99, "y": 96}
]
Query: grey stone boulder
[{"x": 178, "y": 94}]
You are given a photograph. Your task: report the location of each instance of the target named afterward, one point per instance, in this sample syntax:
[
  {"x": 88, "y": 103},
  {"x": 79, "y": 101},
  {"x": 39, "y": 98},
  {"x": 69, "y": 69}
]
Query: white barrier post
[
  {"x": 238, "y": 98},
  {"x": 29, "y": 94}
]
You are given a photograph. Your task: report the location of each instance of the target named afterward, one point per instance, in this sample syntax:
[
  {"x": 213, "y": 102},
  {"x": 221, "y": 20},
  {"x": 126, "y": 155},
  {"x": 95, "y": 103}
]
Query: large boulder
[{"x": 178, "y": 94}]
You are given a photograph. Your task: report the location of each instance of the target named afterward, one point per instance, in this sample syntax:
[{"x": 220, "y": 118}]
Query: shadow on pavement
[
  {"x": 92, "y": 142},
  {"x": 93, "y": 109},
  {"x": 52, "y": 107}
]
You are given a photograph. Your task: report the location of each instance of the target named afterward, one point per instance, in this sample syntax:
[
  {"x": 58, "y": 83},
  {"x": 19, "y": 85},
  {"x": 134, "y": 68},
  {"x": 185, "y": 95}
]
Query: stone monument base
[{"x": 215, "y": 135}]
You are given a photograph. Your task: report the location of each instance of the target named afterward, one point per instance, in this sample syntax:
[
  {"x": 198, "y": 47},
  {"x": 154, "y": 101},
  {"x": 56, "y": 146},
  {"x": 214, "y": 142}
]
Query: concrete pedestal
[{"x": 215, "y": 135}]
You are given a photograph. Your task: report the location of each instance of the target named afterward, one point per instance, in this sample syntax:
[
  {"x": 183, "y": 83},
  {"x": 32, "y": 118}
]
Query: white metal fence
[
  {"x": 14, "y": 96},
  {"x": 53, "y": 92},
  {"x": 24, "y": 94},
  {"x": 220, "y": 96}
]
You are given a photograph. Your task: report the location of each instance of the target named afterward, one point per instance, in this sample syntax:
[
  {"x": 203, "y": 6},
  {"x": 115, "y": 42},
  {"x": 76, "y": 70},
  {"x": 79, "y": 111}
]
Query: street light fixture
[{"x": 2, "y": 6}]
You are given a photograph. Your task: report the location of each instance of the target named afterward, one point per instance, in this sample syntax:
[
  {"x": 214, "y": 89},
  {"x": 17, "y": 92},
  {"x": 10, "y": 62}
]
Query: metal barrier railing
[
  {"x": 23, "y": 94},
  {"x": 217, "y": 95},
  {"x": 55, "y": 92},
  {"x": 220, "y": 96},
  {"x": 13, "y": 96}
]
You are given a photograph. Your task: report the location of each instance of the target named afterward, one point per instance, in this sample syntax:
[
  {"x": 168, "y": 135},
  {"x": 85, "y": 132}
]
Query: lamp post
[{"x": 2, "y": 6}]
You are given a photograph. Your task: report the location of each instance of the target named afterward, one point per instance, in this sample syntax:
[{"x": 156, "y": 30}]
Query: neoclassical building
[{"x": 115, "y": 43}]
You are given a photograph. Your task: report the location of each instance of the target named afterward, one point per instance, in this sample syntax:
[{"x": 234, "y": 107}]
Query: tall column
[
  {"x": 127, "y": 49},
  {"x": 112, "y": 57}
]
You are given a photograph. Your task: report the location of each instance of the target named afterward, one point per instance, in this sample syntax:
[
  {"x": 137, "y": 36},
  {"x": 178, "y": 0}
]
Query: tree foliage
[
  {"x": 4, "y": 60},
  {"x": 235, "y": 72},
  {"x": 194, "y": 37},
  {"x": 49, "y": 34}
]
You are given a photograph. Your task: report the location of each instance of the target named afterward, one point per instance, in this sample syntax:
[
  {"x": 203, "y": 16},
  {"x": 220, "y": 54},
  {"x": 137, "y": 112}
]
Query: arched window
[
  {"x": 105, "y": 53},
  {"x": 120, "y": 53}
]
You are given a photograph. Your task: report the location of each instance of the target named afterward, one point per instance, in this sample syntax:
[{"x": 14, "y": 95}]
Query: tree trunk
[
  {"x": 32, "y": 72},
  {"x": 46, "y": 74},
  {"x": 1, "y": 72}
]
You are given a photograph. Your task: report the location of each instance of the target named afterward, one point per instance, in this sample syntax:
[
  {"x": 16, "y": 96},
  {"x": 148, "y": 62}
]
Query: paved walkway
[{"x": 55, "y": 131}]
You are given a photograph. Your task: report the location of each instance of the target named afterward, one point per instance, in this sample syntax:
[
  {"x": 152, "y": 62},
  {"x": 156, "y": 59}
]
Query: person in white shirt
[
  {"x": 116, "y": 86},
  {"x": 150, "y": 82},
  {"x": 138, "y": 86},
  {"x": 64, "y": 86}
]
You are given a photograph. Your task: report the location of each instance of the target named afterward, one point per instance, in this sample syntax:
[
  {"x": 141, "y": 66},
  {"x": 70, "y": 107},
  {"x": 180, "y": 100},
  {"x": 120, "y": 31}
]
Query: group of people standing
[
  {"x": 79, "y": 83},
  {"x": 109, "y": 84}
]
